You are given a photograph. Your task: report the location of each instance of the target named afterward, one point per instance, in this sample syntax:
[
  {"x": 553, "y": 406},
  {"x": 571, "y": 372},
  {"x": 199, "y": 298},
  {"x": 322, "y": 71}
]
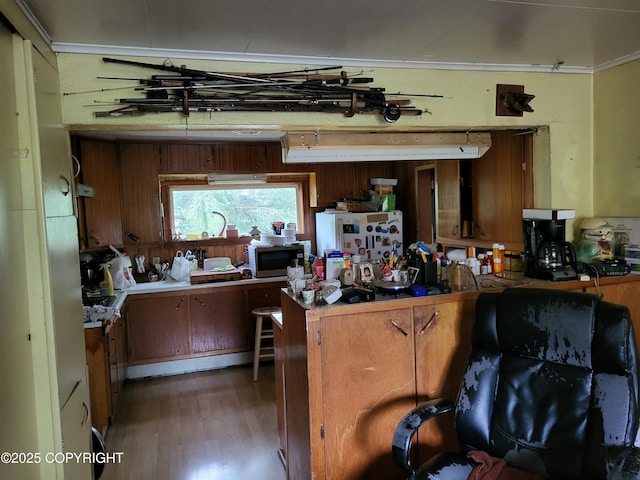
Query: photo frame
[
  {"x": 412, "y": 273},
  {"x": 366, "y": 272}
]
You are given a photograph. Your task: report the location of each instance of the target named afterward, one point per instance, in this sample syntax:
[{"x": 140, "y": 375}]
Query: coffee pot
[{"x": 547, "y": 255}]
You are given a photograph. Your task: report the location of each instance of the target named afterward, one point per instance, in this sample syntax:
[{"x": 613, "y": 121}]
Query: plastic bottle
[
  {"x": 489, "y": 262},
  {"x": 458, "y": 276},
  {"x": 483, "y": 264},
  {"x": 106, "y": 285},
  {"x": 320, "y": 268},
  {"x": 497, "y": 259}
]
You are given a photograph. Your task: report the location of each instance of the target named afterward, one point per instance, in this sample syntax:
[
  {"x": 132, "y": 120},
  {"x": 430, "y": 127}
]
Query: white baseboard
[{"x": 188, "y": 365}]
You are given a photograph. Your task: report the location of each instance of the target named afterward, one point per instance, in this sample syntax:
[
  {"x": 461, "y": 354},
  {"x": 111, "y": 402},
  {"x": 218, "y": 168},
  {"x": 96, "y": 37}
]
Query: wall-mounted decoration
[
  {"x": 309, "y": 90},
  {"x": 511, "y": 101}
]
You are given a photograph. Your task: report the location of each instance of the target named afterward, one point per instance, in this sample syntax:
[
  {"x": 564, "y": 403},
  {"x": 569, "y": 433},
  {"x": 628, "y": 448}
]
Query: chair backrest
[{"x": 551, "y": 384}]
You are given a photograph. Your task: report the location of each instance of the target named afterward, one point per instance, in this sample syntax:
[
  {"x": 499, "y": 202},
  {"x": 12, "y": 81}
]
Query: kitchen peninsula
[{"x": 350, "y": 372}]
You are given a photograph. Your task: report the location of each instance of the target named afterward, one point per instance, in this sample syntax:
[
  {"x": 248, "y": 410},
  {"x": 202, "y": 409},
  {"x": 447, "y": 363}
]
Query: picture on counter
[
  {"x": 366, "y": 272},
  {"x": 412, "y": 274}
]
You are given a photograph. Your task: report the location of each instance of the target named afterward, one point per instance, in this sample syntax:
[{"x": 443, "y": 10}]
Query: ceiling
[{"x": 565, "y": 35}]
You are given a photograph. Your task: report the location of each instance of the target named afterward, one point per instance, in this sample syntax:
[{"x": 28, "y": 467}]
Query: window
[{"x": 247, "y": 206}]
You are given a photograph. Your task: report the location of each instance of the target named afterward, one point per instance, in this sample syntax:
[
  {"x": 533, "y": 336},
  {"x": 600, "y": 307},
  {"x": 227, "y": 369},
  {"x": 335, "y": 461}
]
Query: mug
[{"x": 308, "y": 296}]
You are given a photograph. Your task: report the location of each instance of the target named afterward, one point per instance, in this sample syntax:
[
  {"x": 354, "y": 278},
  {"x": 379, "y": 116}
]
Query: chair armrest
[
  {"x": 408, "y": 426},
  {"x": 627, "y": 465}
]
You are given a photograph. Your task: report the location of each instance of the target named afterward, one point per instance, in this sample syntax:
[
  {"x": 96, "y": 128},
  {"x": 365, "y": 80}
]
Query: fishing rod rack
[{"x": 310, "y": 90}]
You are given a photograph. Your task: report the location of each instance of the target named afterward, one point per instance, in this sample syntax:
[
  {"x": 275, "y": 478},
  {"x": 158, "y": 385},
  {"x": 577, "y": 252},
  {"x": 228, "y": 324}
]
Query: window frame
[{"x": 195, "y": 181}]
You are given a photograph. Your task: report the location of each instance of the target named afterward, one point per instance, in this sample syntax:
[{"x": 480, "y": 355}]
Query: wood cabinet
[
  {"x": 280, "y": 382},
  {"x": 141, "y": 211},
  {"x": 623, "y": 294},
  {"x": 368, "y": 383},
  {"x": 219, "y": 321},
  {"x": 353, "y": 371},
  {"x": 158, "y": 326},
  {"x": 106, "y": 354},
  {"x": 364, "y": 367},
  {"x": 195, "y": 322},
  {"x": 480, "y": 201},
  {"x": 442, "y": 344},
  {"x": 102, "y": 214}
]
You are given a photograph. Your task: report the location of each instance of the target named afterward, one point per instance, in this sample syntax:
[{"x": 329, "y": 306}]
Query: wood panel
[
  {"x": 364, "y": 392},
  {"x": 99, "y": 381},
  {"x": 99, "y": 169},
  {"x": 188, "y": 158},
  {"x": 218, "y": 321},
  {"x": 442, "y": 345},
  {"x": 141, "y": 214},
  {"x": 448, "y": 198},
  {"x": 498, "y": 190},
  {"x": 157, "y": 327},
  {"x": 242, "y": 158}
]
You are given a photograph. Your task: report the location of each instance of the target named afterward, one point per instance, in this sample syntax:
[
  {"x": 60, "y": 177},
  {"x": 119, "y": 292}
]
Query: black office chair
[{"x": 551, "y": 386}]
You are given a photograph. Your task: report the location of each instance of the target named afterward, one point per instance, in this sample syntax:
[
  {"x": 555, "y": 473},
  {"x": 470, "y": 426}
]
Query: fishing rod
[{"x": 189, "y": 90}]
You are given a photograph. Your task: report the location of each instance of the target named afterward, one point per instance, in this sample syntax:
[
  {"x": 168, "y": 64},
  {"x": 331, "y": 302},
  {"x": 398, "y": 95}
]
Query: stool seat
[
  {"x": 265, "y": 311},
  {"x": 262, "y": 333}
]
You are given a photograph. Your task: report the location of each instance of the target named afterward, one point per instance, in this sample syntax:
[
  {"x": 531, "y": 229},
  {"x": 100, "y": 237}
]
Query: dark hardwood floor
[{"x": 216, "y": 425}]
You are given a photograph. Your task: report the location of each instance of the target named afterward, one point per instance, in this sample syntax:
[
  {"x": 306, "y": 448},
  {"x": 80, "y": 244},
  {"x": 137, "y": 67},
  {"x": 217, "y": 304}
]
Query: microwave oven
[{"x": 273, "y": 261}]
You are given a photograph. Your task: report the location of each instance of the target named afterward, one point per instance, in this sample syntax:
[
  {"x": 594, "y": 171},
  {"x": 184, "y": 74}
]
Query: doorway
[{"x": 425, "y": 203}]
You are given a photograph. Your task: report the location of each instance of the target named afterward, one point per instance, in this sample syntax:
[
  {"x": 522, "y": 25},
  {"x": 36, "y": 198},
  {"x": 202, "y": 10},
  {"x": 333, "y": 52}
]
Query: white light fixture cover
[
  {"x": 235, "y": 179},
  {"x": 313, "y": 147}
]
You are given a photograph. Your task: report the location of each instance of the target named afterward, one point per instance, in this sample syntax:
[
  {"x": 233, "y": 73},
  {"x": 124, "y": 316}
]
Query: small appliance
[
  {"x": 273, "y": 261},
  {"x": 547, "y": 255}
]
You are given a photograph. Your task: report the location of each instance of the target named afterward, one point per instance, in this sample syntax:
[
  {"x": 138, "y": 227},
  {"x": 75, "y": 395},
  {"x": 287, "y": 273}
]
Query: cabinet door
[
  {"x": 158, "y": 328},
  {"x": 76, "y": 432},
  {"x": 53, "y": 139},
  {"x": 442, "y": 339},
  {"x": 498, "y": 190},
  {"x": 448, "y": 198},
  {"x": 219, "y": 321},
  {"x": 102, "y": 213},
  {"x": 368, "y": 384},
  {"x": 627, "y": 294},
  {"x": 141, "y": 213}
]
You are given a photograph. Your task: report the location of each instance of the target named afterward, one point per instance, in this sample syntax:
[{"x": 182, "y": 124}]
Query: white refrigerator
[{"x": 372, "y": 235}]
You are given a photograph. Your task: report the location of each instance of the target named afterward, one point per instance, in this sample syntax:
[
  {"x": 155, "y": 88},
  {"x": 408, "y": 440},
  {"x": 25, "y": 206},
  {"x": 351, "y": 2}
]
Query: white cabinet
[{"x": 44, "y": 400}]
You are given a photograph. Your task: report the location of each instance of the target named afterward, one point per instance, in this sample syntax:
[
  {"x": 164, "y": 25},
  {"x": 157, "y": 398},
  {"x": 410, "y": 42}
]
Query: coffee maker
[{"x": 547, "y": 255}]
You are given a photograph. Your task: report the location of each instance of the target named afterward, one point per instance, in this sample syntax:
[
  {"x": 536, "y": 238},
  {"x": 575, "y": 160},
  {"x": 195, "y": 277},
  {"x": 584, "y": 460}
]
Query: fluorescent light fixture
[
  {"x": 235, "y": 179},
  {"x": 315, "y": 147}
]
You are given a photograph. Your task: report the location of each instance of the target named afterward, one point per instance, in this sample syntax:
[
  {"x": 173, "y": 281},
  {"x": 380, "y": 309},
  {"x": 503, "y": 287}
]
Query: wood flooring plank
[{"x": 214, "y": 425}]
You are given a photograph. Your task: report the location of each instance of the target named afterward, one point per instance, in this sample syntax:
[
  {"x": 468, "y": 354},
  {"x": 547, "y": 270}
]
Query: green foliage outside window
[{"x": 244, "y": 206}]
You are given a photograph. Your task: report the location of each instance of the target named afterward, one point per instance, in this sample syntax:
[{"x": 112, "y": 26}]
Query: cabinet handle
[
  {"x": 179, "y": 303},
  {"x": 430, "y": 322},
  {"x": 455, "y": 229},
  {"x": 65, "y": 185},
  {"x": 198, "y": 300},
  {"x": 398, "y": 327},
  {"x": 85, "y": 414}
]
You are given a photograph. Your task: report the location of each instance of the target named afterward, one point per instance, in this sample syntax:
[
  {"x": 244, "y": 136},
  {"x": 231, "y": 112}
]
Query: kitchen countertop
[
  {"x": 172, "y": 285},
  {"x": 99, "y": 316}
]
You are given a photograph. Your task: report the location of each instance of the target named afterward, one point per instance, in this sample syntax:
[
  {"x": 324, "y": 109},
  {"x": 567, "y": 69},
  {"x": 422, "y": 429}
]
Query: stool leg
[{"x": 257, "y": 346}]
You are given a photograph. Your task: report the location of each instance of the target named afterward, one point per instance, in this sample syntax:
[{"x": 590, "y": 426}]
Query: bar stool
[{"x": 262, "y": 314}]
